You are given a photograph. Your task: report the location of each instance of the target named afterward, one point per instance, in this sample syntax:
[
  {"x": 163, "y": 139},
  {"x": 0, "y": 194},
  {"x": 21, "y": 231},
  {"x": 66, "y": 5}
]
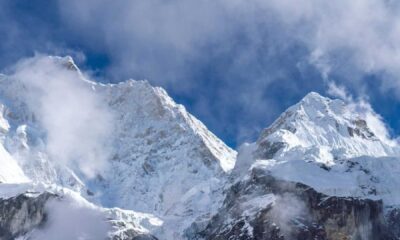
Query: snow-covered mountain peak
[
  {"x": 332, "y": 146},
  {"x": 140, "y": 102},
  {"x": 160, "y": 151},
  {"x": 324, "y": 130}
]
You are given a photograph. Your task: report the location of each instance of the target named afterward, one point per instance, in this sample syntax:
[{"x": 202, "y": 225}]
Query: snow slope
[{"x": 10, "y": 172}]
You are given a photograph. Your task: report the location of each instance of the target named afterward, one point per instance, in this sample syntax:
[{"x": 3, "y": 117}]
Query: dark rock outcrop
[
  {"x": 393, "y": 221},
  {"x": 21, "y": 214},
  {"x": 296, "y": 211}
]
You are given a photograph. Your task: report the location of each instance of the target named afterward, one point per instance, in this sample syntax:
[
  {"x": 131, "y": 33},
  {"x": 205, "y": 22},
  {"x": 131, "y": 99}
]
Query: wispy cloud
[
  {"x": 363, "y": 108},
  {"x": 250, "y": 45}
]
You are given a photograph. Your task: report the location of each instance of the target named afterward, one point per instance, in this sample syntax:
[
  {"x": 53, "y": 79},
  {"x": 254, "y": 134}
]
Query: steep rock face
[
  {"x": 393, "y": 220},
  {"x": 263, "y": 207}
]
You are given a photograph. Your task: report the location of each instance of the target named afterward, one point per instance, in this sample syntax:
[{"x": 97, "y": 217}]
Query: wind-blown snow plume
[
  {"x": 75, "y": 119},
  {"x": 365, "y": 111}
]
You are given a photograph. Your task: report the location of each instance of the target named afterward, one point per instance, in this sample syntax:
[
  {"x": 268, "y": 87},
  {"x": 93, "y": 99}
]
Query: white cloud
[
  {"x": 75, "y": 118},
  {"x": 366, "y": 33},
  {"x": 338, "y": 91},
  {"x": 162, "y": 40}
]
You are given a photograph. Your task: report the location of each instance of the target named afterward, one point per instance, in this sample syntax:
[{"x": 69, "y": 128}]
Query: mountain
[
  {"x": 160, "y": 151},
  {"x": 163, "y": 161},
  {"x": 88, "y": 160},
  {"x": 158, "y": 158},
  {"x": 320, "y": 171},
  {"x": 332, "y": 141},
  {"x": 322, "y": 130}
]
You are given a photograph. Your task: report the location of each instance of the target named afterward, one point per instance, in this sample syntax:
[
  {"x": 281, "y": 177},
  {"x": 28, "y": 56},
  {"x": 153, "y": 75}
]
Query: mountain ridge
[{"x": 174, "y": 177}]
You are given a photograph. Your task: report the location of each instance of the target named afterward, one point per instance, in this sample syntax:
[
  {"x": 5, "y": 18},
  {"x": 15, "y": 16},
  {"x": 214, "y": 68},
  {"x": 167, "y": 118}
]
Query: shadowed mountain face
[{"x": 130, "y": 163}]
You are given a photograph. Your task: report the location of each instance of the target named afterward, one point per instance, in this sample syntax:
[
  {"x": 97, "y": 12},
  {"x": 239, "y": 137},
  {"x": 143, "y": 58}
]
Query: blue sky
[{"x": 235, "y": 64}]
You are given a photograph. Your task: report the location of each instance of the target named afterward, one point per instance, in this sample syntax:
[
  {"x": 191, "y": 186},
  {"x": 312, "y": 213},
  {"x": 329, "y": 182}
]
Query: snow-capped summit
[
  {"x": 334, "y": 147},
  {"x": 324, "y": 130},
  {"x": 160, "y": 151}
]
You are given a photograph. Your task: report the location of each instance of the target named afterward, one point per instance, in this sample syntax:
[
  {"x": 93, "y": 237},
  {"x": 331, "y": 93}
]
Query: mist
[
  {"x": 76, "y": 120},
  {"x": 75, "y": 218}
]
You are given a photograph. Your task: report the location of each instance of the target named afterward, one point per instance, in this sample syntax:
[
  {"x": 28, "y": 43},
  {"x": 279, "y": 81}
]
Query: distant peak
[
  {"x": 314, "y": 95},
  {"x": 314, "y": 98},
  {"x": 67, "y": 62},
  {"x": 324, "y": 128}
]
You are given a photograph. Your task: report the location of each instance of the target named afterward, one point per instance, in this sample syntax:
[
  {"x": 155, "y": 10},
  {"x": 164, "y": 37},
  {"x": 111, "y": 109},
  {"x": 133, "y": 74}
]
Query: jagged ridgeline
[{"x": 84, "y": 160}]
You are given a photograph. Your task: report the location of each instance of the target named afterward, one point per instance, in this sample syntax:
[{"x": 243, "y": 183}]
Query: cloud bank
[
  {"x": 141, "y": 34},
  {"x": 245, "y": 49},
  {"x": 229, "y": 61}
]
